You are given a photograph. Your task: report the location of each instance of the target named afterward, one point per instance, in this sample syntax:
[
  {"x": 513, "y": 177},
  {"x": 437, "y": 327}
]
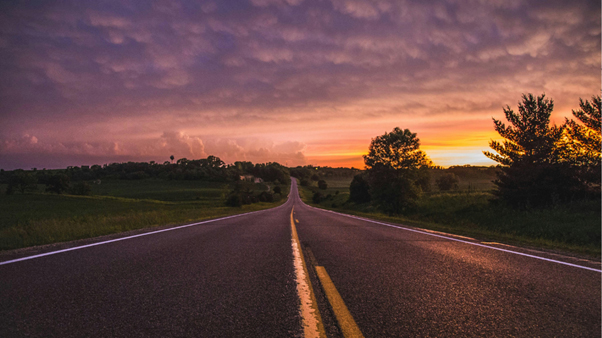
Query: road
[{"x": 246, "y": 276}]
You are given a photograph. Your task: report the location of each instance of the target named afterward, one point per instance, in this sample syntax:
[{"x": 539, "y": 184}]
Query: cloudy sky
[{"x": 292, "y": 81}]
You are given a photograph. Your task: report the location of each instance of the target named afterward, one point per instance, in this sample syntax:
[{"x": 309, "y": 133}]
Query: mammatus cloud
[{"x": 280, "y": 70}]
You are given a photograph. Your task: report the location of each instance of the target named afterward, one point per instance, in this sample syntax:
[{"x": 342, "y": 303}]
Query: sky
[{"x": 291, "y": 81}]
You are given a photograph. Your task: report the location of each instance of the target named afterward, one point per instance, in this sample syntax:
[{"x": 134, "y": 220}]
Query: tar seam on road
[
  {"x": 308, "y": 308},
  {"x": 463, "y": 241},
  {"x": 129, "y": 237},
  {"x": 344, "y": 317}
]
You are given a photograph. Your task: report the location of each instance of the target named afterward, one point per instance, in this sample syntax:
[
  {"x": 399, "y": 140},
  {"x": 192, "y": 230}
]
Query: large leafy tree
[
  {"x": 396, "y": 170},
  {"x": 533, "y": 172}
]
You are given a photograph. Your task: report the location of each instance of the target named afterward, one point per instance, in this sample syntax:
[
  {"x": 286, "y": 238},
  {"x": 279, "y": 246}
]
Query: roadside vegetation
[
  {"x": 61, "y": 205},
  {"x": 545, "y": 191},
  {"x": 469, "y": 211}
]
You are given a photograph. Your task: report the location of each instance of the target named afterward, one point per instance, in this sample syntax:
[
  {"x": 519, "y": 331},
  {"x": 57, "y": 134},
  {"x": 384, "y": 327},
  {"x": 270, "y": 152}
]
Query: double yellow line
[{"x": 312, "y": 321}]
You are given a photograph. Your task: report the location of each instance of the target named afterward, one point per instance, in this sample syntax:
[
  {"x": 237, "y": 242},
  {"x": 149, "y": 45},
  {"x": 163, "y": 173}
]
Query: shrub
[
  {"x": 322, "y": 184},
  {"x": 317, "y": 198},
  {"x": 277, "y": 190},
  {"x": 81, "y": 188},
  {"x": 265, "y": 196},
  {"x": 234, "y": 200},
  {"x": 447, "y": 182}
]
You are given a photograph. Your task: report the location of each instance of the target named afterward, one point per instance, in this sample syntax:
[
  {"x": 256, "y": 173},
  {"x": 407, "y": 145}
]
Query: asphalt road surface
[{"x": 239, "y": 277}]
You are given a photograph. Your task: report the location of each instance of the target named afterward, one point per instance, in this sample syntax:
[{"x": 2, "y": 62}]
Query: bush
[
  {"x": 234, "y": 200},
  {"x": 265, "y": 196},
  {"x": 447, "y": 182},
  {"x": 317, "y": 198},
  {"x": 81, "y": 188},
  {"x": 304, "y": 183},
  {"x": 277, "y": 190},
  {"x": 322, "y": 184}
]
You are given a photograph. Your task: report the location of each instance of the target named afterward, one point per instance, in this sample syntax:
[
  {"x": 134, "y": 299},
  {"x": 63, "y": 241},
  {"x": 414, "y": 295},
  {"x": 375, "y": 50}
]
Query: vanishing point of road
[{"x": 297, "y": 271}]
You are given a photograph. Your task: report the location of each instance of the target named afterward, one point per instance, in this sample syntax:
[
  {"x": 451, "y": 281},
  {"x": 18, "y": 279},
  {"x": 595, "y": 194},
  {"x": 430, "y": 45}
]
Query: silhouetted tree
[
  {"x": 582, "y": 145},
  {"x": 393, "y": 166},
  {"x": 24, "y": 182},
  {"x": 533, "y": 172},
  {"x": 359, "y": 189},
  {"x": 171, "y": 158},
  {"x": 447, "y": 182},
  {"x": 58, "y": 183}
]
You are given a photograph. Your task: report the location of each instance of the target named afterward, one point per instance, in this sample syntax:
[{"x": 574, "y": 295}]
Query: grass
[
  {"x": 571, "y": 228},
  {"x": 115, "y": 206}
]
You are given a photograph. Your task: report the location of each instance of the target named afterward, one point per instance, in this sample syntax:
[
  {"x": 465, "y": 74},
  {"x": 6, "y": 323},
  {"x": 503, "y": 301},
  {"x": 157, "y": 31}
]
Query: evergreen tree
[
  {"x": 581, "y": 146},
  {"x": 533, "y": 172}
]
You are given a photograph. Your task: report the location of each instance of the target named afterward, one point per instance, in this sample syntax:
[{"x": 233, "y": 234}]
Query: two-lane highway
[
  {"x": 229, "y": 278},
  {"x": 241, "y": 277}
]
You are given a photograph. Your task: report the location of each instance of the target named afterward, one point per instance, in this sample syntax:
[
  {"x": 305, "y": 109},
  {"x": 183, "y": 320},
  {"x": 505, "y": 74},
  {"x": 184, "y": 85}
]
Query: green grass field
[
  {"x": 571, "y": 228},
  {"x": 115, "y": 206}
]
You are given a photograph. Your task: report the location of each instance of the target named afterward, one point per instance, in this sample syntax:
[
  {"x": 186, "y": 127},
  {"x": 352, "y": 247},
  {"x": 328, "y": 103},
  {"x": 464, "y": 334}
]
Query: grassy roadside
[
  {"x": 115, "y": 206},
  {"x": 571, "y": 228}
]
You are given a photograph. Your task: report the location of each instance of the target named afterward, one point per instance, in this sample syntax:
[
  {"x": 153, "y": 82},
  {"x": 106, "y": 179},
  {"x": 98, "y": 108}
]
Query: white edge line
[
  {"x": 460, "y": 240},
  {"x": 133, "y": 236}
]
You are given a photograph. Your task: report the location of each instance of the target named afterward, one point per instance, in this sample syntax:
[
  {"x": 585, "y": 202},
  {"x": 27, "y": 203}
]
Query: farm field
[{"x": 115, "y": 206}]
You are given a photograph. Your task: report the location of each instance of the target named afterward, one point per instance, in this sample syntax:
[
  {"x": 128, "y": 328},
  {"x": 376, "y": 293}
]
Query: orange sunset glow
[{"x": 295, "y": 82}]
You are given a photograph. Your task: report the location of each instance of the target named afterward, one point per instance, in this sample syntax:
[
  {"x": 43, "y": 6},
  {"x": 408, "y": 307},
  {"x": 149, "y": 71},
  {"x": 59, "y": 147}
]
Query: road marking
[
  {"x": 346, "y": 321},
  {"x": 130, "y": 237},
  {"x": 462, "y": 241},
  {"x": 308, "y": 309}
]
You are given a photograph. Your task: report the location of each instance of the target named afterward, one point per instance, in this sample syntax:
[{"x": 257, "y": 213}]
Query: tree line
[
  {"x": 539, "y": 165},
  {"x": 76, "y": 180}
]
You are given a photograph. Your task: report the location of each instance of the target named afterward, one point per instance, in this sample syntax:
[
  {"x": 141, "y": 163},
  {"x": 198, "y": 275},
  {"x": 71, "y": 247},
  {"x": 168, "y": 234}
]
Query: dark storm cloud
[{"x": 153, "y": 66}]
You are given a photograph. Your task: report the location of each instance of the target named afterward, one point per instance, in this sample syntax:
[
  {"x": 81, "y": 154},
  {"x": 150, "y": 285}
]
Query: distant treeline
[
  {"x": 309, "y": 173},
  {"x": 211, "y": 168}
]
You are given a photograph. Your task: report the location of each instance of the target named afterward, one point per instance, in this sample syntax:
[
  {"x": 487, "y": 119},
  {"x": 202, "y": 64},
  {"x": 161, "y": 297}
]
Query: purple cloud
[{"x": 100, "y": 73}]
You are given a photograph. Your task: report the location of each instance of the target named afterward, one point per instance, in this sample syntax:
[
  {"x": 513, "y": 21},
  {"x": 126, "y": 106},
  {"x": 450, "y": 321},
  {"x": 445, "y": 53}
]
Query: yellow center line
[
  {"x": 310, "y": 315},
  {"x": 346, "y": 321}
]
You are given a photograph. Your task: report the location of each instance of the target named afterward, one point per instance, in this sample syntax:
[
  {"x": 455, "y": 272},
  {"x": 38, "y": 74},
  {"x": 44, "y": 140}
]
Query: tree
[
  {"x": 58, "y": 183},
  {"x": 447, "y": 182},
  {"x": 393, "y": 166},
  {"x": 582, "y": 143},
  {"x": 22, "y": 181},
  {"x": 171, "y": 158},
  {"x": 322, "y": 185},
  {"x": 533, "y": 173},
  {"x": 359, "y": 189}
]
